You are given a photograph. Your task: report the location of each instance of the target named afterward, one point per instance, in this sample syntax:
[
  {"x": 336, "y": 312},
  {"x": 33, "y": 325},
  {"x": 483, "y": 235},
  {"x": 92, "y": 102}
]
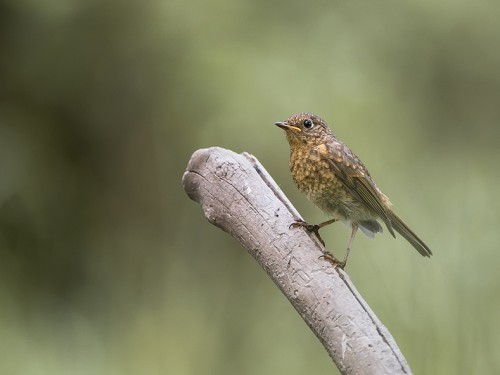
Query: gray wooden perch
[{"x": 239, "y": 196}]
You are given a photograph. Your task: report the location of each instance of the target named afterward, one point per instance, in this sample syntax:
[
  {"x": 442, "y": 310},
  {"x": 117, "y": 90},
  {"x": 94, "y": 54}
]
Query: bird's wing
[{"x": 349, "y": 169}]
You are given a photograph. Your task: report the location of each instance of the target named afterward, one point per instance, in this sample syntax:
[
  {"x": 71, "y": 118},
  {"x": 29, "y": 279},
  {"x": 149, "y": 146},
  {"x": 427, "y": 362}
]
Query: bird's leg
[
  {"x": 312, "y": 227},
  {"x": 334, "y": 261}
]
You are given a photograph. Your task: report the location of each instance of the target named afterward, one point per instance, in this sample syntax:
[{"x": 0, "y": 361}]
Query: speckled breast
[{"x": 313, "y": 176}]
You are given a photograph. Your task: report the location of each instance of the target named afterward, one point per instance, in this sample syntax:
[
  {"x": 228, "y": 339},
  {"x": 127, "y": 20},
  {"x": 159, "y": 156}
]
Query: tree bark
[{"x": 239, "y": 196}]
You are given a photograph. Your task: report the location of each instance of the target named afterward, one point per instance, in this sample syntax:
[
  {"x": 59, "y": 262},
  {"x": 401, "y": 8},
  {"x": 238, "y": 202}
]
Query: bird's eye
[{"x": 308, "y": 124}]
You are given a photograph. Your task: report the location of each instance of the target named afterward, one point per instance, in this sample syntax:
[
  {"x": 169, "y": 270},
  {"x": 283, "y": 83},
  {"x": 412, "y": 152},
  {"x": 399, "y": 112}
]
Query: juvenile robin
[{"x": 336, "y": 181}]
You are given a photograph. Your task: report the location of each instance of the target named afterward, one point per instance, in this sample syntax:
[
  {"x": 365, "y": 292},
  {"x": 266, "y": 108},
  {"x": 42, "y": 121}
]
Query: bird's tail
[{"x": 408, "y": 234}]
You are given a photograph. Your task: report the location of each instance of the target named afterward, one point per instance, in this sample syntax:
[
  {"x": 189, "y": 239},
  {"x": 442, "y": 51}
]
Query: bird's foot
[
  {"x": 301, "y": 223},
  {"x": 332, "y": 260},
  {"x": 309, "y": 227}
]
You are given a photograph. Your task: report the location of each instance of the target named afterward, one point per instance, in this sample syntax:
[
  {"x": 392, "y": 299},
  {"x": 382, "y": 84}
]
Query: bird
[{"x": 335, "y": 180}]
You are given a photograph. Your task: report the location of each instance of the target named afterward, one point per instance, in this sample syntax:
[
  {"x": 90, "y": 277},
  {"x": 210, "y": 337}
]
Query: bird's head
[{"x": 305, "y": 128}]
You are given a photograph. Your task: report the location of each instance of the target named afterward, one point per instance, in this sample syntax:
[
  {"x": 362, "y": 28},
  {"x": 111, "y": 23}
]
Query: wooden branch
[{"x": 240, "y": 197}]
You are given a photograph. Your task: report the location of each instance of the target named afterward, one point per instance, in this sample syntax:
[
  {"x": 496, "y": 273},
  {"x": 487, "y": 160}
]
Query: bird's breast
[{"x": 313, "y": 176}]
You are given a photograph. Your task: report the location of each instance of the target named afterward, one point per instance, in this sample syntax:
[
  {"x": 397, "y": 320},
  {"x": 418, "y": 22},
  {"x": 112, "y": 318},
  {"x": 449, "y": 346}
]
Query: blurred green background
[{"x": 106, "y": 267}]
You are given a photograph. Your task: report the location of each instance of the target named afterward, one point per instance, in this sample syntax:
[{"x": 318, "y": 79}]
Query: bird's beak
[{"x": 284, "y": 125}]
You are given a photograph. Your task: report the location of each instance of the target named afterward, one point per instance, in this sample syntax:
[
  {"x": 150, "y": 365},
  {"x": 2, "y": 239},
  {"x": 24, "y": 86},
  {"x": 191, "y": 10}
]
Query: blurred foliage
[{"x": 106, "y": 267}]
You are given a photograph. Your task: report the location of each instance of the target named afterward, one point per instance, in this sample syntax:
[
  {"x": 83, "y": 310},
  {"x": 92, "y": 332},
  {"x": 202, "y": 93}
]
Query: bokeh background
[{"x": 106, "y": 267}]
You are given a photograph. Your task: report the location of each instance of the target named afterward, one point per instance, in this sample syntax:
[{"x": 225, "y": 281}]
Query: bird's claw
[
  {"x": 298, "y": 223},
  {"x": 332, "y": 260},
  {"x": 301, "y": 223},
  {"x": 309, "y": 227}
]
